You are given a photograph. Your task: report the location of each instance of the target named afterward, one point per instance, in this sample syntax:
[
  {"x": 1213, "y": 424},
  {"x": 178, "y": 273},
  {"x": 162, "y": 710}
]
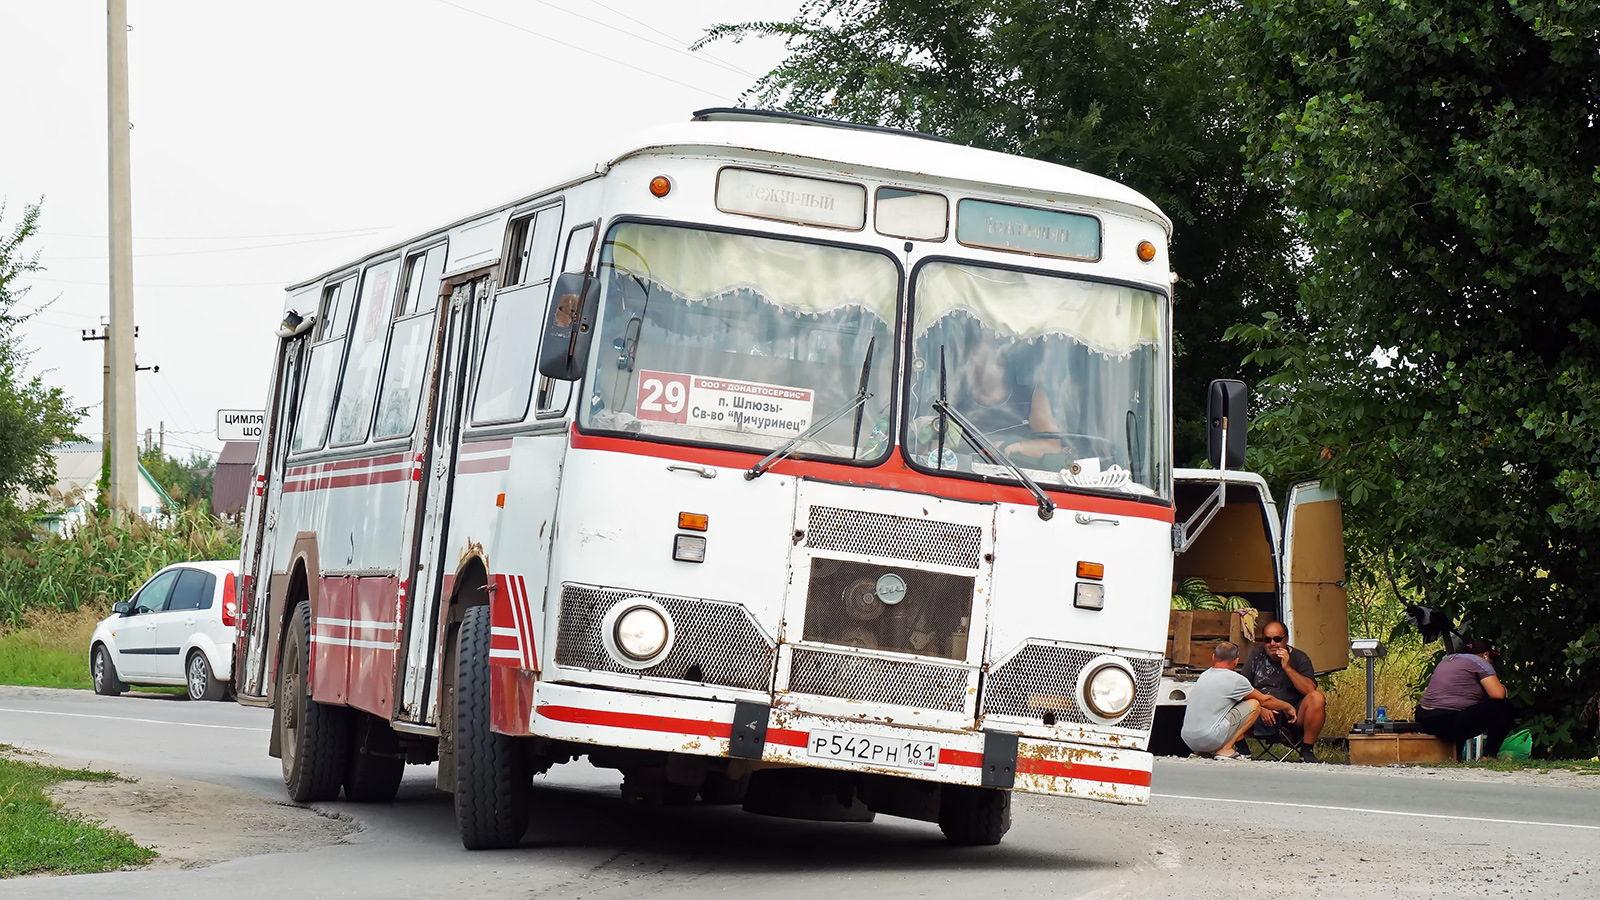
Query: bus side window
[
  {"x": 505, "y": 378},
  {"x": 553, "y": 395},
  {"x": 322, "y": 372},
  {"x": 409, "y": 341},
  {"x": 367, "y": 337}
]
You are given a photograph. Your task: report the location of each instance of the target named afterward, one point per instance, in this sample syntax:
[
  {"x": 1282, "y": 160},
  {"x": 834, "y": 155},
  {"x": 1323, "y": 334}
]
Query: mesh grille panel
[
  {"x": 876, "y": 534},
  {"x": 717, "y": 638},
  {"x": 873, "y": 680},
  {"x": 1048, "y": 677}
]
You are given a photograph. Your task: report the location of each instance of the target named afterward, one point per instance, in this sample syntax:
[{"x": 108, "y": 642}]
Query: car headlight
[
  {"x": 1109, "y": 691},
  {"x": 641, "y": 632}
]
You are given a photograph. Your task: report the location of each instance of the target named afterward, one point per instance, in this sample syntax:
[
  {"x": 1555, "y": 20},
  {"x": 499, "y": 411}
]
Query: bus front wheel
[
  {"x": 972, "y": 816},
  {"x": 492, "y": 781},
  {"x": 313, "y": 736}
]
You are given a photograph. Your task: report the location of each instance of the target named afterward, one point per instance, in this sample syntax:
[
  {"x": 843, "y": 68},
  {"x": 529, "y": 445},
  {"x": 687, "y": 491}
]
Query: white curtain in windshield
[
  {"x": 1111, "y": 319},
  {"x": 802, "y": 278},
  {"x": 1064, "y": 377},
  {"x": 743, "y": 341}
]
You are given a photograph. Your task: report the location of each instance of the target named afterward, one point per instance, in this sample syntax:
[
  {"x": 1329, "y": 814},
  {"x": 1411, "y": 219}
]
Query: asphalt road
[{"x": 1213, "y": 828}]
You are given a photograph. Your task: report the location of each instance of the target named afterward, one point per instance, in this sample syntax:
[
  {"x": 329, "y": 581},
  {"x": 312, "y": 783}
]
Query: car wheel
[
  {"x": 202, "y": 684},
  {"x": 492, "y": 780},
  {"x": 104, "y": 673},
  {"x": 972, "y": 816},
  {"x": 313, "y": 736}
]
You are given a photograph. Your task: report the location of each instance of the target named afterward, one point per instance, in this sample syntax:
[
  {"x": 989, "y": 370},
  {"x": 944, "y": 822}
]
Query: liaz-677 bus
[{"x": 773, "y": 460}]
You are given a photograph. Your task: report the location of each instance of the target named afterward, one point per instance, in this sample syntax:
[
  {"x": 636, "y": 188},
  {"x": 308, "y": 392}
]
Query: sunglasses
[{"x": 1267, "y": 639}]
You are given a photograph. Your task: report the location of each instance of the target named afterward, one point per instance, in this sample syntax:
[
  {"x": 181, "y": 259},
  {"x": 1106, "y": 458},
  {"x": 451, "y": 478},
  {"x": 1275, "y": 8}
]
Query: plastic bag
[{"x": 1517, "y": 745}]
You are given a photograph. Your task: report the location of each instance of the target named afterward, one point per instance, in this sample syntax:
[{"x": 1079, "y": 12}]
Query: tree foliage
[
  {"x": 1119, "y": 88},
  {"x": 1443, "y": 157},
  {"x": 33, "y": 415},
  {"x": 187, "y": 482}
]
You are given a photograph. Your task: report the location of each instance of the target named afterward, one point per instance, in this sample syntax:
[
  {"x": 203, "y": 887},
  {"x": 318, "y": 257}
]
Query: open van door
[{"x": 1313, "y": 571}]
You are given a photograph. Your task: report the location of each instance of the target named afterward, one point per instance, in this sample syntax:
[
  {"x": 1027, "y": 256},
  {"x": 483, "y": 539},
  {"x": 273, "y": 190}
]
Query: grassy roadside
[
  {"x": 50, "y": 649},
  {"x": 38, "y": 837}
]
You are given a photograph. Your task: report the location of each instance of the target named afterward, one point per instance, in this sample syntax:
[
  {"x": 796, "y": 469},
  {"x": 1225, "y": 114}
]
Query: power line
[
  {"x": 610, "y": 59},
  {"x": 638, "y": 37},
  {"x": 220, "y": 237},
  {"x": 218, "y": 249},
  {"x": 615, "y": 11},
  {"x": 145, "y": 285}
]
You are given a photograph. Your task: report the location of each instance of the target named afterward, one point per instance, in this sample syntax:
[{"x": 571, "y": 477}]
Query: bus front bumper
[{"x": 609, "y": 718}]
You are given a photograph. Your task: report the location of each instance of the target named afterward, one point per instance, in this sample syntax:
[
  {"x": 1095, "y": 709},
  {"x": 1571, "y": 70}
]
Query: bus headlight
[
  {"x": 638, "y": 632},
  {"x": 1109, "y": 691}
]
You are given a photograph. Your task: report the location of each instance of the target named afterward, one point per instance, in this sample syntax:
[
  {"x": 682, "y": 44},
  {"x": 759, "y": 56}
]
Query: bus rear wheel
[
  {"x": 313, "y": 735},
  {"x": 492, "y": 779},
  {"x": 972, "y": 817}
]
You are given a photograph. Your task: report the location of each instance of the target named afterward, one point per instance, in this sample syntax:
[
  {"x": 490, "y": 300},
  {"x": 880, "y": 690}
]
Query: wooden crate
[
  {"x": 1191, "y": 633},
  {"x": 1388, "y": 749}
]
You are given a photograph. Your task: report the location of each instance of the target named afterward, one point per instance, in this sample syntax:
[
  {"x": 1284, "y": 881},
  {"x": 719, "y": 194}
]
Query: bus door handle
[
  {"x": 702, "y": 471},
  {"x": 1086, "y": 519}
]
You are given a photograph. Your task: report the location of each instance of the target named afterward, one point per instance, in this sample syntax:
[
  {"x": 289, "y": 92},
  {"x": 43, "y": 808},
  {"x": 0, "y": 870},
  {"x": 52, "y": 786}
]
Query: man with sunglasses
[
  {"x": 1223, "y": 707},
  {"x": 1278, "y": 670}
]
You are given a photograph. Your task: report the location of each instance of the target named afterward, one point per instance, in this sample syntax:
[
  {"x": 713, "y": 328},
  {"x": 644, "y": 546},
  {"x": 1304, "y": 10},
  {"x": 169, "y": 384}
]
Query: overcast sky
[{"x": 272, "y": 141}]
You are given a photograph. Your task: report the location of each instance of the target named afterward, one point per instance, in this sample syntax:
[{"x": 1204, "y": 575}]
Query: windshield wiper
[
  {"x": 861, "y": 392},
  {"x": 1047, "y": 508},
  {"x": 861, "y": 397}
]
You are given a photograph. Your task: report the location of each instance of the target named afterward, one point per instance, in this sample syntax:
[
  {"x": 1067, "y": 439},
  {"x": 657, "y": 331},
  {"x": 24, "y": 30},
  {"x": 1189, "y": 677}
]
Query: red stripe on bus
[
  {"x": 1054, "y": 768},
  {"x": 325, "y": 482},
  {"x": 471, "y": 447},
  {"x": 579, "y": 716},
  {"x": 370, "y": 462},
  {"x": 483, "y": 464},
  {"x": 893, "y": 474}
]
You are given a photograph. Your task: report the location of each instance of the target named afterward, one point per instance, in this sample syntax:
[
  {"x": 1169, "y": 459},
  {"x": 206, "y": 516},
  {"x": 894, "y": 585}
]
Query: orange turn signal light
[
  {"x": 1147, "y": 251},
  {"x": 500, "y": 500},
  {"x": 1096, "y": 571},
  {"x": 660, "y": 186},
  {"x": 693, "y": 521}
]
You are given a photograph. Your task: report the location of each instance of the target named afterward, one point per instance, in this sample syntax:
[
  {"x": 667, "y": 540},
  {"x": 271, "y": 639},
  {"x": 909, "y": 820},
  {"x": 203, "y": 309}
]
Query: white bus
[{"x": 820, "y": 467}]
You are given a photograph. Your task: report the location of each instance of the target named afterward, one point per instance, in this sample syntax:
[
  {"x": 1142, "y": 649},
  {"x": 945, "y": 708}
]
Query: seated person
[
  {"x": 1223, "y": 707},
  {"x": 1278, "y": 670},
  {"x": 1465, "y": 699},
  {"x": 1006, "y": 411}
]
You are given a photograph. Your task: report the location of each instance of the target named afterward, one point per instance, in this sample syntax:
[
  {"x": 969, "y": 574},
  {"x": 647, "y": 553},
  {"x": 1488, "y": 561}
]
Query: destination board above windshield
[
  {"x": 789, "y": 198},
  {"x": 1024, "y": 229}
]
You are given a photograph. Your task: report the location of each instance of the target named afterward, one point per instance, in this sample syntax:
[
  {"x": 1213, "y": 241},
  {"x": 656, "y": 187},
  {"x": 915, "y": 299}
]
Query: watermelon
[
  {"x": 1234, "y": 604},
  {"x": 1194, "y": 588},
  {"x": 1179, "y": 601},
  {"x": 1211, "y": 602}
]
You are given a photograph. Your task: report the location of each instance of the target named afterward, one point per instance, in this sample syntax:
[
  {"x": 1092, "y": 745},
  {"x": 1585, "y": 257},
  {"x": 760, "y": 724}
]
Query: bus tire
[
  {"x": 492, "y": 785},
  {"x": 974, "y": 817},
  {"x": 314, "y": 736},
  {"x": 375, "y": 767}
]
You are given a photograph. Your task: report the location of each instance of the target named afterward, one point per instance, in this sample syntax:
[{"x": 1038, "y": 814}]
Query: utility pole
[{"x": 122, "y": 439}]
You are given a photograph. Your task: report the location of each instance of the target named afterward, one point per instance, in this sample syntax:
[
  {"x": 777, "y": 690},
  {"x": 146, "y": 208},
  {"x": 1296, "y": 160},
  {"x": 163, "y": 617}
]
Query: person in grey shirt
[{"x": 1223, "y": 707}]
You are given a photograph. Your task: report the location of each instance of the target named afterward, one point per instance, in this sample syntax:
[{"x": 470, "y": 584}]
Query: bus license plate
[{"x": 872, "y": 750}]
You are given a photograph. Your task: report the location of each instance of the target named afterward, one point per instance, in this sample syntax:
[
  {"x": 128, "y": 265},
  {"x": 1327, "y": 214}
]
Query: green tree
[
  {"x": 187, "y": 482},
  {"x": 33, "y": 415},
  {"x": 1443, "y": 158},
  {"x": 1126, "y": 89}
]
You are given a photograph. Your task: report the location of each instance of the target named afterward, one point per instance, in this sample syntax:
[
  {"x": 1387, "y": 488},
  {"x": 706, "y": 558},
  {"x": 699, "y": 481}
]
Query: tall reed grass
[{"x": 104, "y": 561}]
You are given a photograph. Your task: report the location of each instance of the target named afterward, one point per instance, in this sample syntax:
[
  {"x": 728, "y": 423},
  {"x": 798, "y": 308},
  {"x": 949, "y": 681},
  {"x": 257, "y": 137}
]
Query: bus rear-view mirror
[
  {"x": 1226, "y": 419},
  {"x": 565, "y": 350}
]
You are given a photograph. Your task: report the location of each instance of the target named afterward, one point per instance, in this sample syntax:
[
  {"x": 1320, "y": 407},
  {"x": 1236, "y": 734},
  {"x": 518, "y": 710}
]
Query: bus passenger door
[
  {"x": 444, "y": 429},
  {"x": 252, "y": 678}
]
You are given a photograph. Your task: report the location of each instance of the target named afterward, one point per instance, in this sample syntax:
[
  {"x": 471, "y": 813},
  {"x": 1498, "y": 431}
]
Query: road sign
[{"x": 239, "y": 424}]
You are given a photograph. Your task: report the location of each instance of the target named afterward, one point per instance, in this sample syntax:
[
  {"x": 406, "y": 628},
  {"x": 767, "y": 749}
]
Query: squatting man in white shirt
[{"x": 1223, "y": 706}]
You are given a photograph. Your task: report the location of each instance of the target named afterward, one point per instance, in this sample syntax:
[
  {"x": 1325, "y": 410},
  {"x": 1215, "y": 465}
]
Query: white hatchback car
[{"x": 177, "y": 630}]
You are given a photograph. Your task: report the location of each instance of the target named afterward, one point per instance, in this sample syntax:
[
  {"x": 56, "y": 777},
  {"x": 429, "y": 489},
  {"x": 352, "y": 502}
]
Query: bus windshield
[
  {"x": 735, "y": 340},
  {"x": 1061, "y": 375}
]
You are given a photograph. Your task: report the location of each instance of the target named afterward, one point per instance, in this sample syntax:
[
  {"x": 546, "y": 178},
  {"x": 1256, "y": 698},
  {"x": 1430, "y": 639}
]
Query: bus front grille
[
  {"x": 1043, "y": 678},
  {"x": 870, "y": 679},
  {"x": 717, "y": 643},
  {"x": 895, "y": 537}
]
